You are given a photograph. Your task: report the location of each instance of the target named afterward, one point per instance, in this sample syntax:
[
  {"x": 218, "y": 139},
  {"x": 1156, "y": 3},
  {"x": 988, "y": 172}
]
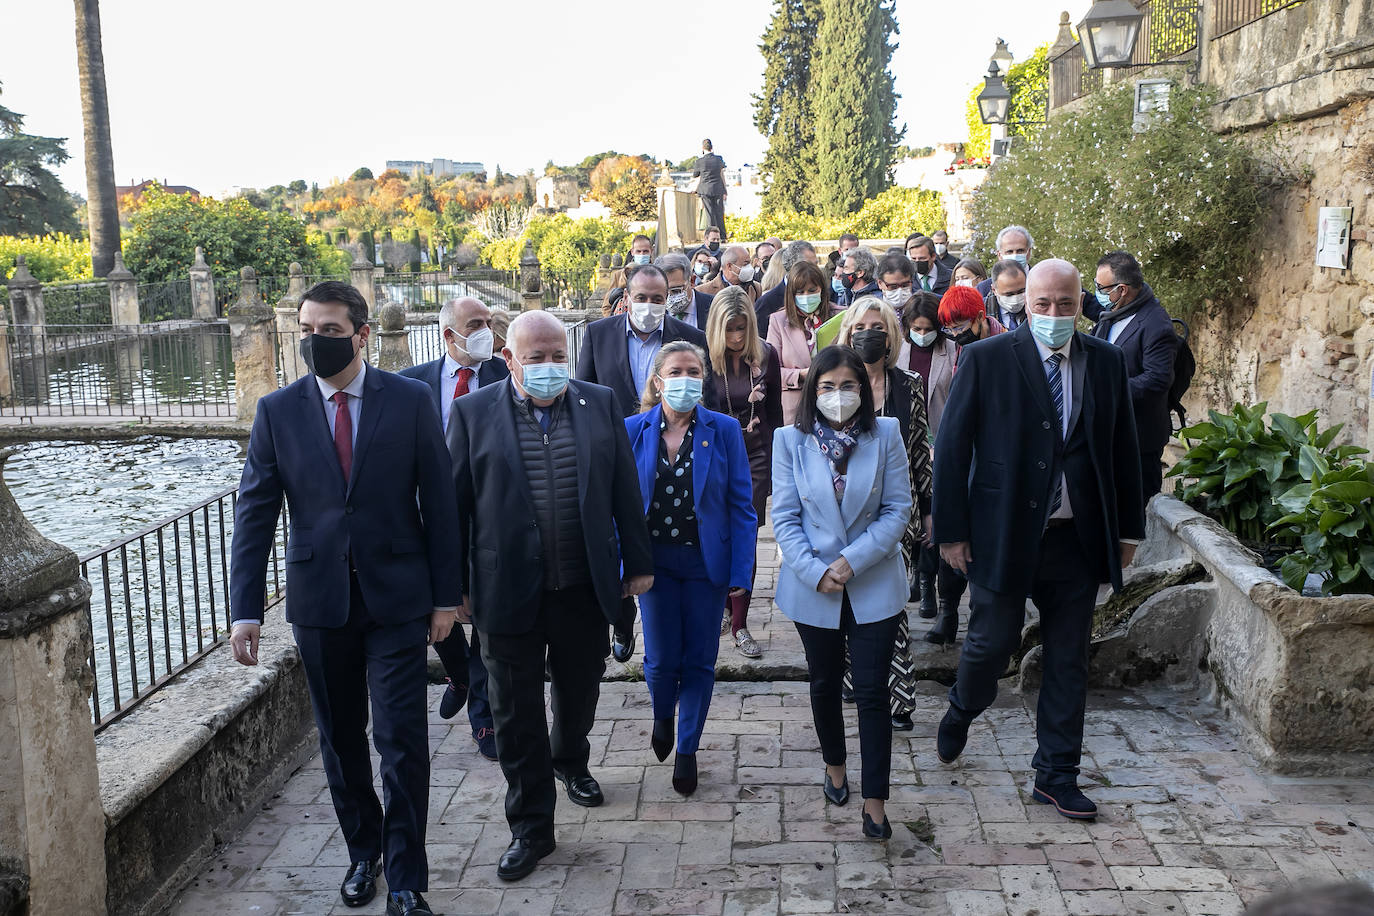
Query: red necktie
[
  {"x": 343, "y": 433},
  {"x": 460, "y": 387}
]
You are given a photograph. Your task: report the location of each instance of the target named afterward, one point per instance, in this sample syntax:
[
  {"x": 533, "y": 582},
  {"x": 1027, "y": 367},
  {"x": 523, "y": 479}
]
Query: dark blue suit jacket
[
  {"x": 703, "y": 304},
  {"x": 943, "y": 276},
  {"x": 489, "y": 372},
  {"x": 1150, "y": 346},
  {"x": 499, "y": 553},
  {"x": 721, "y": 486},
  {"x": 394, "y": 516},
  {"x": 769, "y": 303},
  {"x": 1000, "y": 449},
  {"x": 605, "y": 357}
]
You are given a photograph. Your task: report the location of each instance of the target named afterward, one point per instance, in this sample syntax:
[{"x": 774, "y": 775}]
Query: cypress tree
[
  {"x": 369, "y": 247},
  {"x": 782, "y": 111},
  {"x": 415, "y": 245},
  {"x": 855, "y": 104}
]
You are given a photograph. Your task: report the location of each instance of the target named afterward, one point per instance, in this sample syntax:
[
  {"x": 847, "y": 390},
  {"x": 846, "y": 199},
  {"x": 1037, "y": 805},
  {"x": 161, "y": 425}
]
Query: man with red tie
[
  {"x": 359, "y": 456},
  {"x": 465, "y": 324}
]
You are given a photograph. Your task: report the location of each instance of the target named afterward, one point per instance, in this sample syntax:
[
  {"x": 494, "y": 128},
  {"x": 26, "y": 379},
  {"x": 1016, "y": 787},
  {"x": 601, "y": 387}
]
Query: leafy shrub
[
  {"x": 1330, "y": 514},
  {"x": 895, "y": 213},
  {"x": 1184, "y": 199},
  {"x": 562, "y": 244},
  {"x": 329, "y": 260},
  {"x": 50, "y": 258}
]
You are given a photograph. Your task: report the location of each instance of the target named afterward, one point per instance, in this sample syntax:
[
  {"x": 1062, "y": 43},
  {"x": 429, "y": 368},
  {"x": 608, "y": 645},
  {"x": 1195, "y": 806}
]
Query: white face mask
[
  {"x": 897, "y": 297},
  {"x": 1014, "y": 303},
  {"x": 924, "y": 340},
  {"x": 940, "y": 250},
  {"x": 838, "y": 406},
  {"x": 478, "y": 346},
  {"x": 646, "y": 316},
  {"x": 746, "y": 273}
]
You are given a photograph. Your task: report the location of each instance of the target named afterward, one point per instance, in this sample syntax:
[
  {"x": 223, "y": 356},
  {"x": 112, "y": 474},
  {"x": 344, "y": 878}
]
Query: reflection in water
[{"x": 86, "y": 494}]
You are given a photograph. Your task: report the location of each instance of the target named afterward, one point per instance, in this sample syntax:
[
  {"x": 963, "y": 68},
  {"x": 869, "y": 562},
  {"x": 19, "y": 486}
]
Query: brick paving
[{"x": 1189, "y": 824}]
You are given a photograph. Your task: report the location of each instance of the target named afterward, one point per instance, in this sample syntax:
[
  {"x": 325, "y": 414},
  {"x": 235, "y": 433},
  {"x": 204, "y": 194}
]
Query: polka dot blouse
[{"x": 672, "y": 512}]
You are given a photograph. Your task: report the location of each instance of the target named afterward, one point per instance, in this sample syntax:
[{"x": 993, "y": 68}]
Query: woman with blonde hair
[
  {"x": 698, "y": 501},
  {"x": 872, "y": 329},
  {"x": 806, "y": 305},
  {"x": 747, "y": 378}
]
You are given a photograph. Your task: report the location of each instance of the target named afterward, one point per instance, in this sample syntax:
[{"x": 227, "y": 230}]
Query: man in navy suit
[
  {"x": 685, "y": 303},
  {"x": 618, "y": 352},
  {"x": 370, "y": 576},
  {"x": 1037, "y": 492},
  {"x": 551, "y": 539},
  {"x": 1133, "y": 319},
  {"x": 792, "y": 254},
  {"x": 929, "y": 274},
  {"x": 466, "y": 366},
  {"x": 1014, "y": 243}
]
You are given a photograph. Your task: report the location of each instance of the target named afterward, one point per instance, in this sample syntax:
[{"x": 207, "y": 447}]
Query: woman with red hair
[{"x": 964, "y": 320}]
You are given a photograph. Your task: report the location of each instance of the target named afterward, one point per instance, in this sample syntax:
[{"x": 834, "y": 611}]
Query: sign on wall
[{"x": 1333, "y": 236}]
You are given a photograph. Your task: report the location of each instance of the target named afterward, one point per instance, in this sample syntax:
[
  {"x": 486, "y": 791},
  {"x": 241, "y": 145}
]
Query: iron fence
[
  {"x": 173, "y": 369},
  {"x": 1229, "y": 15},
  {"x": 160, "y": 601},
  {"x": 567, "y": 289},
  {"x": 76, "y": 303},
  {"x": 1071, "y": 78},
  {"x": 428, "y": 290},
  {"x": 168, "y": 301},
  {"x": 1168, "y": 30}
]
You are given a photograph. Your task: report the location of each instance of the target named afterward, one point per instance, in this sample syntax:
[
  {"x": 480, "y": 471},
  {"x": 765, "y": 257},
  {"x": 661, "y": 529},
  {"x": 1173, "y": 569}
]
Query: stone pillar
[
  {"x": 1062, "y": 42},
  {"x": 603, "y": 281},
  {"x": 52, "y": 825},
  {"x": 7, "y": 383},
  {"x": 289, "y": 326},
  {"x": 123, "y": 294},
  {"x": 531, "y": 291},
  {"x": 202, "y": 289},
  {"x": 361, "y": 276},
  {"x": 393, "y": 348},
  {"x": 26, "y": 296},
  {"x": 253, "y": 337}
]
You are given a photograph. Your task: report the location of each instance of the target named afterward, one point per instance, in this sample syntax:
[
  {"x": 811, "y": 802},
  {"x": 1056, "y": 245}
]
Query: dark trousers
[
  {"x": 681, "y": 615},
  {"x": 463, "y": 664},
  {"x": 870, "y": 648},
  {"x": 715, "y": 211},
  {"x": 570, "y": 632},
  {"x": 1151, "y": 473},
  {"x": 1065, "y": 593},
  {"x": 950, "y": 584},
  {"x": 342, "y": 666}
]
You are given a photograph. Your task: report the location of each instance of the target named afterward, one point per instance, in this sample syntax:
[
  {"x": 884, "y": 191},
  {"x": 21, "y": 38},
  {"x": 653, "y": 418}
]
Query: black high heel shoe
[
  {"x": 837, "y": 795},
  {"x": 685, "y": 774},
  {"x": 662, "y": 739},
  {"x": 871, "y": 829}
]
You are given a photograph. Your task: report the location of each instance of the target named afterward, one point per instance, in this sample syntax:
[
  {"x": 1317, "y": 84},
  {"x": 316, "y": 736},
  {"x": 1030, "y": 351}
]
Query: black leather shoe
[
  {"x": 360, "y": 884},
  {"x": 455, "y": 695},
  {"x": 847, "y": 694},
  {"x": 406, "y": 903},
  {"x": 946, "y": 626},
  {"x": 662, "y": 739},
  {"x": 685, "y": 774},
  {"x": 838, "y": 795},
  {"x": 871, "y": 829},
  {"x": 521, "y": 856},
  {"x": 623, "y": 645},
  {"x": 582, "y": 789},
  {"x": 928, "y": 606},
  {"x": 950, "y": 738},
  {"x": 903, "y": 723},
  {"x": 1067, "y": 800}
]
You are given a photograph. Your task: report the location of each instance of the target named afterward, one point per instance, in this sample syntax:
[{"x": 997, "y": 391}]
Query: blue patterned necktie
[{"x": 1057, "y": 392}]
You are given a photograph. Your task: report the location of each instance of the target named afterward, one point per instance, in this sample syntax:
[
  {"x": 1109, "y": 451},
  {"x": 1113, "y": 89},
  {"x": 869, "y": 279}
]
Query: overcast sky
[{"x": 260, "y": 92}]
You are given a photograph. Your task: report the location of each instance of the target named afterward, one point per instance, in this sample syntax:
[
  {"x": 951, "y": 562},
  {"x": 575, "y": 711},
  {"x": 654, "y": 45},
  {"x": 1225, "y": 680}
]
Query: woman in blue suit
[
  {"x": 841, "y": 501},
  {"x": 698, "y": 500}
]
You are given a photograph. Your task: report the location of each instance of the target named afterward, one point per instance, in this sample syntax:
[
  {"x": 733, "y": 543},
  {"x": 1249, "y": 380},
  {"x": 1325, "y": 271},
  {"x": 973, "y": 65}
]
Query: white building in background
[
  {"x": 436, "y": 168},
  {"x": 743, "y": 189}
]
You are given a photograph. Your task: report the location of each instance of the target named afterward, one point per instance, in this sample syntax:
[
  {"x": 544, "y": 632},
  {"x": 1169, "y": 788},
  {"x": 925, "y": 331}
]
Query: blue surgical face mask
[
  {"x": 1021, "y": 259},
  {"x": 641, "y": 259},
  {"x": 924, "y": 340},
  {"x": 836, "y": 283},
  {"x": 808, "y": 302},
  {"x": 681, "y": 392},
  {"x": 1104, "y": 299},
  {"x": 544, "y": 381},
  {"x": 1053, "y": 331},
  {"x": 702, "y": 269}
]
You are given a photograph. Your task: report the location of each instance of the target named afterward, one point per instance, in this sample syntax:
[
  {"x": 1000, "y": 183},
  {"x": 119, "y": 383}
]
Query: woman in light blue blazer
[
  {"x": 841, "y": 501},
  {"x": 698, "y": 501}
]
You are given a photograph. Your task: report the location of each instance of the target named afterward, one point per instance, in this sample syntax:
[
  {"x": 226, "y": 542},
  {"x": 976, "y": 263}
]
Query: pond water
[{"x": 87, "y": 494}]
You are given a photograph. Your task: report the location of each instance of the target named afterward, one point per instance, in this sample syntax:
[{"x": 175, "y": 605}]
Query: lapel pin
[
  {"x": 582, "y": 401},
  {"x": 705, "y": 444}
]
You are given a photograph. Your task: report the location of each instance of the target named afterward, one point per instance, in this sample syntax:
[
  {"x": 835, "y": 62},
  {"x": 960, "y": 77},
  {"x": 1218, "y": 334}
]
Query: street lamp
[
  {"x": 1108, "y": 33},
  {"x": 1001, "y": 56},
  {"x": 995, "y": 99}
]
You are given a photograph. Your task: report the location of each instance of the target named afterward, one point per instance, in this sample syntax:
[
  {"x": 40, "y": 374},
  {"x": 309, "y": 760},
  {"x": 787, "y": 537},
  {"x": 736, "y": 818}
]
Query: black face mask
[
  {"x": 327, "y": 356},
  {"x": 922, "y": 267},
  {"x": 871, "y": 344},
  {"x": 965, "y": 337},
  {"x": 847, "y": 280},
  {"x": 713, "y": 246},
  {"x": 766, "y": 260}
]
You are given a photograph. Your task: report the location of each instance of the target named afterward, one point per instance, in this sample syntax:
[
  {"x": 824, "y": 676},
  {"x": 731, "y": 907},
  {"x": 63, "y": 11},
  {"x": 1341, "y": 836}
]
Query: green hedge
[
  {"x": 895, "y": 213},
  {"x": 563, "y": 245},
  {"x": 50, "y": 258},
  {"x": 1188, "y": 202}
]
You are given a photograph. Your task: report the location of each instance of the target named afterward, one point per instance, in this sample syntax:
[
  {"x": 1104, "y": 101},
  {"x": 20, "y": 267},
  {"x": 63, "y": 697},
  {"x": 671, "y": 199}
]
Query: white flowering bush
[{"x": 1185, "y": 200}]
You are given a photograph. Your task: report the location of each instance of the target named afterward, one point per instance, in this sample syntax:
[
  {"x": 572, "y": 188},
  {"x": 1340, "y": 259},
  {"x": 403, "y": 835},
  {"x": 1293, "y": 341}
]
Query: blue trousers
[{"x": 681, "y": 619}]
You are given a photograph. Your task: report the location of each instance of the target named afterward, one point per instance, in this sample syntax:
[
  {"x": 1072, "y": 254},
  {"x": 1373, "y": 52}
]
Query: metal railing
[
  {"x": 167, "y": 301},
  {"x": 1229, "y": 15},
  {"x": 1070, "y": 77},
  {"x": 428, "y": 290},
  {"x": 77, "y": 303},
  {"x": 173, "y": 369},
  {"x": 1168, "y": 30},
  {"x": 160, "y": 601},
  {"x": 570, "y": 289}
]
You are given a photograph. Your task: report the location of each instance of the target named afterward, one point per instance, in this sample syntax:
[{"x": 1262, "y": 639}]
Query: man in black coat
[
  {"x": 928, "y": 273},
  {"x": 618, "y": 352},
  {"x": 711, "y": 187},
  {"x": 466, "y": 366},
  {"x": 549, "y": 514},
  {"x": 1133, "y": 319},
  {"x": 1037, "y": 492}
]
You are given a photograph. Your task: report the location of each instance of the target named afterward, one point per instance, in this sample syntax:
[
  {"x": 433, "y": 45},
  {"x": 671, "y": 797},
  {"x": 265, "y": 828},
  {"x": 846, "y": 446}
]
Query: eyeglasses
[
  {"x": 1108, "y": 289},
  {"x": 847, "y": 387}
]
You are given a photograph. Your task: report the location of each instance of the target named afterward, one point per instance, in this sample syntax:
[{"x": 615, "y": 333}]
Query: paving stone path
[{"x": 1189, "y": 824}]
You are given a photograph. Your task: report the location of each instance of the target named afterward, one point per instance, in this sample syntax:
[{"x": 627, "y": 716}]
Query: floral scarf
[{"x": 837, "y": 445}]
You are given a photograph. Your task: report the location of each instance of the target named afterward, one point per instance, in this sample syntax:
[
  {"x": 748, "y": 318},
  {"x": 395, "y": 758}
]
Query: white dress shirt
[
  {"x": 1116, "y": 327},
  {"x": 1066, "y": 383},
  {"x": 448, "y": 380},
  {"x": 354, "y": 390}
]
